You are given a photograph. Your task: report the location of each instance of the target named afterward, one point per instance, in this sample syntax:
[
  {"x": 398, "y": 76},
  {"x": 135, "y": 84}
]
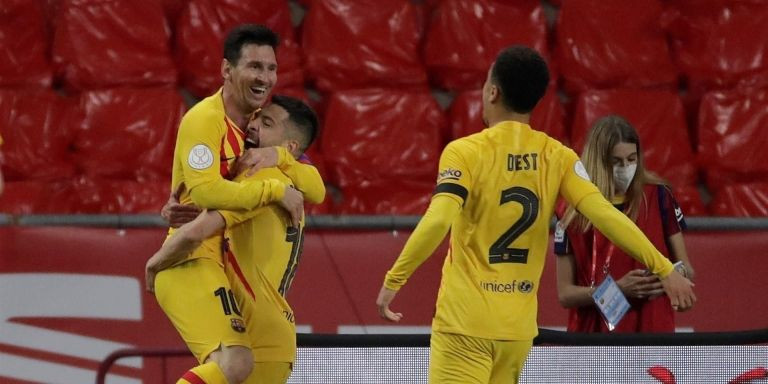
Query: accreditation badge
[{"x": 611, "y": 302}]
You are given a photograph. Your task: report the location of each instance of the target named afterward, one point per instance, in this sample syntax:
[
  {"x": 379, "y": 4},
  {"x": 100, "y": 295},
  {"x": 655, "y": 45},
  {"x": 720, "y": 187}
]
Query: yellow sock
[{"x": 208, "y": 373}]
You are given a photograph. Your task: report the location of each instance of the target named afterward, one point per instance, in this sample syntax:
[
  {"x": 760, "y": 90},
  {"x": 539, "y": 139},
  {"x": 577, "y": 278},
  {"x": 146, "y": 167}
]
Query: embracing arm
[
  {"x": 305, "y": 177},
  {"x": 182, "y": 242}
]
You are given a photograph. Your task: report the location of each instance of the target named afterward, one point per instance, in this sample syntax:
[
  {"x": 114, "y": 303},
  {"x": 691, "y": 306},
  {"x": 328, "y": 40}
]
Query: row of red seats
[
  {"x": 345, "y": 44},
  {"x": 379, "y": 147}
]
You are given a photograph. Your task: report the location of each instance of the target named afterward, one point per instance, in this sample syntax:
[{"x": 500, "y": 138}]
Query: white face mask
[{"x": 622, "y": 177}]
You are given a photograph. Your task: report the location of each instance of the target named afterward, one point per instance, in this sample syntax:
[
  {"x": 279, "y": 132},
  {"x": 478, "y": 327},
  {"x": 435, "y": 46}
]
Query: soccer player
[
  {"x": 263, "y": 247},
  {"x": 496, "y": 191},
  {"x": 209, "y": 141}
]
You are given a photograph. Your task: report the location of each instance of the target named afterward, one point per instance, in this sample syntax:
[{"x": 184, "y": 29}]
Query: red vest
[{"x": 654, "y": 315}]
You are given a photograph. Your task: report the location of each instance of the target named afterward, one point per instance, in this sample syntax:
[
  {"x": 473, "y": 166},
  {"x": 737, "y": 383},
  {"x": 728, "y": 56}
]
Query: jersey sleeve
[
  {"x": 305, "y": 176},
  {"x": 199, "y": 145},
  {"x": 575, "y": 183},
  {"x": 454, "y": 172},
  {"x": 233, "y": 218},
  {"x": 672, "y": 216},
  {"x": 561, "y": 242}
]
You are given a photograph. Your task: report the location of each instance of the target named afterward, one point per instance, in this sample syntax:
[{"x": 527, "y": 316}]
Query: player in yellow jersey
[
  {"x": 496, "y": 191},
  {"x": 195, "y": 292},
  {"x": 263, "y": 247}
]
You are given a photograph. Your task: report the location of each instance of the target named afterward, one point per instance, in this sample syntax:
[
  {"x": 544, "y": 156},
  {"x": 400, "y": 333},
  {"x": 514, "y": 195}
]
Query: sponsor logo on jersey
[
  {"x": 238, "y": 325},
  {"x": 679, "y": 214},
  {"x": 289, "y": 316},
  {"x": 525, "y": 286},
  {"x": 449, "y": 174},
  {"x": 522, "y": 286},
  {"x": 200, "y": 157}
]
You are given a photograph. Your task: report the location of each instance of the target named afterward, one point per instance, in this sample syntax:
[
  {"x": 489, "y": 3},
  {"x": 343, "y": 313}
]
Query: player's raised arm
[{"x": 181, "y": 243}]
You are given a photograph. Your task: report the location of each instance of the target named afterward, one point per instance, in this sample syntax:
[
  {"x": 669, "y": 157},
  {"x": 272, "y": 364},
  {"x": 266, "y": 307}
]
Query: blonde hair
[{"x": 605, "y": 134}]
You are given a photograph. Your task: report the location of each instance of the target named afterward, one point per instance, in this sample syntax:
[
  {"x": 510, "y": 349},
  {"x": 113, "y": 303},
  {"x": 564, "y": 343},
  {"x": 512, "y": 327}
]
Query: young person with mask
[{"x": 613, "y": 158}]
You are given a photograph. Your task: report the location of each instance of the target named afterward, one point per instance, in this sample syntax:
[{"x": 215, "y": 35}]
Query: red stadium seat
[
  {"x": 104, "y": 43},
  {"x": 386, "y": 197},
  {"x": 24, "y": 197},
  {"x": 658, "y": 118},
  {"x": 318, "y": 160},
  {"x": 36, "y": 134},
  {"x": 689, "y": 198},
  {"x": 732, "y": 136},
  {"x": 103, "y": 196},
  {"x": 172, "y": 10},
  {"x": 743, "y": 200},
  {"x": 605, "y": 44},
  {"x": 381, "y": 139},
  {"x": 363, "y": 43},
  {"x": 202, "y": 27},
  {"x": 466, "y": 115},
  {"x": 38, "y": 197},
  {"x": 23, "y": 45},
  {"x": 128, "y": 133},
  {"x": 720, "y": 44},
  {"x": 464, "y": 37}
]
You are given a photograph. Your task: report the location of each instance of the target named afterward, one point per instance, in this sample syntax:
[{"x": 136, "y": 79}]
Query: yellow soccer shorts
[
  {"x": 197, "y": 298},
  {"x": 464, "y": 359}
]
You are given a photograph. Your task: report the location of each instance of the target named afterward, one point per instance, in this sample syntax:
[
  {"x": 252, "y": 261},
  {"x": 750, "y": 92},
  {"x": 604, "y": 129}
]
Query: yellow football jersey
[
  {"x": 207, "y": 145},
  {"x": 266, "y": 251},
  {"x": 508, "y": 178},
  {"x": 272, "y": 245}
]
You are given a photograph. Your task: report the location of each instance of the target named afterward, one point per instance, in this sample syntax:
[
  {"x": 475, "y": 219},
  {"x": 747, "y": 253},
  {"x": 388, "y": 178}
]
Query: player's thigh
[
  {"x": 196, "y": 297},
  {"x": 508, "y": 360},
  {"x": 459, "y": 359},
  {"x": 269, "y": 373}
]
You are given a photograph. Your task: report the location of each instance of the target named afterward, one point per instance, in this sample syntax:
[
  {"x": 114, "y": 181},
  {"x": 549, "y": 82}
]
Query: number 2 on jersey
[{"x": 500, "y": 251}]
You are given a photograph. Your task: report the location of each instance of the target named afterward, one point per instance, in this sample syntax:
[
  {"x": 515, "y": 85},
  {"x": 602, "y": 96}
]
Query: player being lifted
[{"x": 209, "y": 142}]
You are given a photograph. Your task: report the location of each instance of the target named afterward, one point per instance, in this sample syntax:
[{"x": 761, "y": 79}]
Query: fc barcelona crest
[{"x": 238, "y": 325}]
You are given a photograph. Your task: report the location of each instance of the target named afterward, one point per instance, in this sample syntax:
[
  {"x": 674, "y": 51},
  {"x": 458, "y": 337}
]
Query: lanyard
[{"x": 608, "y": 256}]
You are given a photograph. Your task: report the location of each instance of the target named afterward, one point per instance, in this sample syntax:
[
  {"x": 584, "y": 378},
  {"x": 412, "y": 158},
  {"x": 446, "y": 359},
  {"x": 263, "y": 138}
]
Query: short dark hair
[
  {"x": 522, "y": 75},
  {"x": 247, "y": 34},
  {"x": 302, "y": 116}
]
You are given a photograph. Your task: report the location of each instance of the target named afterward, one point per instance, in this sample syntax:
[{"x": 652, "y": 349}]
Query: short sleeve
[
  {"x": 561, "y": 242},
  {"x": 454, "y": 177},
  {"x": 671, "y": 213}
]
